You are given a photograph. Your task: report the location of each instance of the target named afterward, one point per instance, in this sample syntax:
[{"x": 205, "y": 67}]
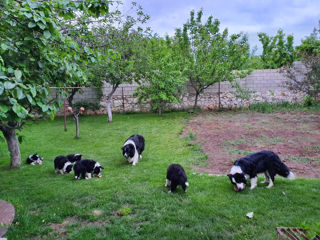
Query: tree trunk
[
  {"x": 219, "y": 95},
  {"x": 109, "y": 110},
  {"x": 13, "y": 146},
  {"x": 195, "y": 101},
  {"x": 76, "y": 118},
  {"x": 109, "y": 98},
  {"x": 159, "y": 111}
]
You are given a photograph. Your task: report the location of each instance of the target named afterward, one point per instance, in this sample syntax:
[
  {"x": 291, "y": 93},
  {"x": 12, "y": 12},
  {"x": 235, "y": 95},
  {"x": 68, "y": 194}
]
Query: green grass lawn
[{"x": 131, "y": 202}]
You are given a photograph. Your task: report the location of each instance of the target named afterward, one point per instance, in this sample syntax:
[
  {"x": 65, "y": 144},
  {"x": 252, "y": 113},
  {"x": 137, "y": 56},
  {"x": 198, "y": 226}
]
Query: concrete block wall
[{"x": 266, "y": 85}]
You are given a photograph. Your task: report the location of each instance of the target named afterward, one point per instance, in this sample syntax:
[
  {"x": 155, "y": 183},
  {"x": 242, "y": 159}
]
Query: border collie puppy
[
  {"x": 62, "y": 165},
  {"x": 33, "y": 159},
  {"x": 176, "y": 176},
  {"x": 133, "y": 148},
  {"x": 248, "y": 167},
  {"x": 74, "y": 157},
  {"x": 87, "y": 167}
]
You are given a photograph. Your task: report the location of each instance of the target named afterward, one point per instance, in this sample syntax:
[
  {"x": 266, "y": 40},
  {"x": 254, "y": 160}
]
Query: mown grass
[{"x": 209, "y": 210}]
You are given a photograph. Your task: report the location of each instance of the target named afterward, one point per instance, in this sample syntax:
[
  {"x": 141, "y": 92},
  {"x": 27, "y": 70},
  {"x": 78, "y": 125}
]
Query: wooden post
[
  {"x": 122, "y": 100},
  {"x": 219, "y": 95},
  {"x": 65, "y": 114}
]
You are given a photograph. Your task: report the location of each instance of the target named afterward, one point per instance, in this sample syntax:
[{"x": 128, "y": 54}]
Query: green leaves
[
  {"x": 9, "y": 85},
  {"x": 31, "y": 25},
  {"x": 1, "y": 88},
  {"x": 36, "y": 53},
  {"x": 17, "y": 74},
  {"x": 277, "y": 51},
  {"x": 47, "y": 34},
  {"x": 208, "y": 55},
  {"x": 20, "y": 111}
]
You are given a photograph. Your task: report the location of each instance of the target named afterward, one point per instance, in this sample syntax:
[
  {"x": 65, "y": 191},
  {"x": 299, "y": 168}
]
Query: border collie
[
  {"x": 62, "y": 165},
  {"x": 33, "y": 159},
  {"x": 133, "y": 148},
  {"x": 87, "y": 167},
  {"x": 266, "y": 162},
  {"x": 74, "y": 157},
  {"x": 176, "y": 176}
]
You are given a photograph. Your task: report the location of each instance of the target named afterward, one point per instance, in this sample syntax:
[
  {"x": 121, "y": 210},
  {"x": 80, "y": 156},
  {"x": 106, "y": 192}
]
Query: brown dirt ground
[{"x": 226, "y": 136}]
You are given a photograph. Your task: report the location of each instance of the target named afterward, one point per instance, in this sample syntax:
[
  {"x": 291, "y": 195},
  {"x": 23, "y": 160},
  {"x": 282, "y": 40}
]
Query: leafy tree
[
  {"x": 121, "y": 42},
  {"x": 163, "y": 81},
  {"x": 35, "y": 52},
  {"x": 306, "y": 79},
  {"x": 278, "y": 51},
  {"x": 208, "y": 56}
]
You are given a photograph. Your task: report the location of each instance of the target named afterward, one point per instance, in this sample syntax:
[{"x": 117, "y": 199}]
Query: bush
[{"x": 308, "y": 101}]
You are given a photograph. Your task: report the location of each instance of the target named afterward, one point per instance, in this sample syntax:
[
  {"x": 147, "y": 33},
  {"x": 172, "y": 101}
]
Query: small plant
[
  {"x": 124, "y": 211},
  {"x": 308, "y": 101},
  {"x": 191, "y": 136}
]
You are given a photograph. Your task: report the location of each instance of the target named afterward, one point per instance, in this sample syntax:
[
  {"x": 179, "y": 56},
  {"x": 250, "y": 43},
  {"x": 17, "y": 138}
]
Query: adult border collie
[
  {"x": 248, "y": 167},
  {"x": 33, "y": 159},
  {"x": 62, "y": 165},
  {"x": 87, "y": 167},
  {"x": 133, "y": 148},
  {"x": 176, "y": 176}
]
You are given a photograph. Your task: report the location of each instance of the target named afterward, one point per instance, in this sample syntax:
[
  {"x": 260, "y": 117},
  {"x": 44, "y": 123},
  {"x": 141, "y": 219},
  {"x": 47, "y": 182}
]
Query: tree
[
  {"x": 163, "y": 82},
  {"x": 208, "y": 56},
  {"x": 277, "y": 51},
  {"x": 306, "y": 79},
  {"x": 121, "y": 42},
  {"x": 34, "y": 53}
]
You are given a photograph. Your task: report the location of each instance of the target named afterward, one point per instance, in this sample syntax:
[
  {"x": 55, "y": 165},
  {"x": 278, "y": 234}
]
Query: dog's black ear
[
  {"x": 101, "y": 167},
  {"x": 229, "y": 175}
]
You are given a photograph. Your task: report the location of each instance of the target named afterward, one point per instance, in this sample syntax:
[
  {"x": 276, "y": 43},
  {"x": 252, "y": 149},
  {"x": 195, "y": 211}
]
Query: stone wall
[{"x": 264, "y": 85}]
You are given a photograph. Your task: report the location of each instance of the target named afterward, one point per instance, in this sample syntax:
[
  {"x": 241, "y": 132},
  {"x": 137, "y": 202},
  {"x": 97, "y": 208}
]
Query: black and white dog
[
  {"x": 176, "y": 176},
  {"x": 248, "y": 167},
  {"x": 62, "y": 165},
  {"x": 87, "y": 167},
  {"x": 133, "y": 148},
  {"x": 33, "y": 159},
  {"x": 74, "y": 157}
]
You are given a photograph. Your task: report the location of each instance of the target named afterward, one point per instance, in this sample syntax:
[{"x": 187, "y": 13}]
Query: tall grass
[{"x": 265, "y": 107}]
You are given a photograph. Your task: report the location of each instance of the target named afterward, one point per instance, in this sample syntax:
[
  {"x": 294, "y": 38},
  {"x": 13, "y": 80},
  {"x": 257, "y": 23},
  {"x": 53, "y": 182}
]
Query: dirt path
[{"x": 230, "y": 135}]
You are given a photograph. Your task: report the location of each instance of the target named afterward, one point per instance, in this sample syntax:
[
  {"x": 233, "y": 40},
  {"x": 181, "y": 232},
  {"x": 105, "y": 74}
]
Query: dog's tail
[{"x": 284, "y": 171}]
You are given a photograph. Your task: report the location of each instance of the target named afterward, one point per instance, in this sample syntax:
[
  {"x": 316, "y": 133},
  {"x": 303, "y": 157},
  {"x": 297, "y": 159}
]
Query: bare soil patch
[
  {"x": 61, "y": 229},
  {"x": 227, "y": 136}
]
